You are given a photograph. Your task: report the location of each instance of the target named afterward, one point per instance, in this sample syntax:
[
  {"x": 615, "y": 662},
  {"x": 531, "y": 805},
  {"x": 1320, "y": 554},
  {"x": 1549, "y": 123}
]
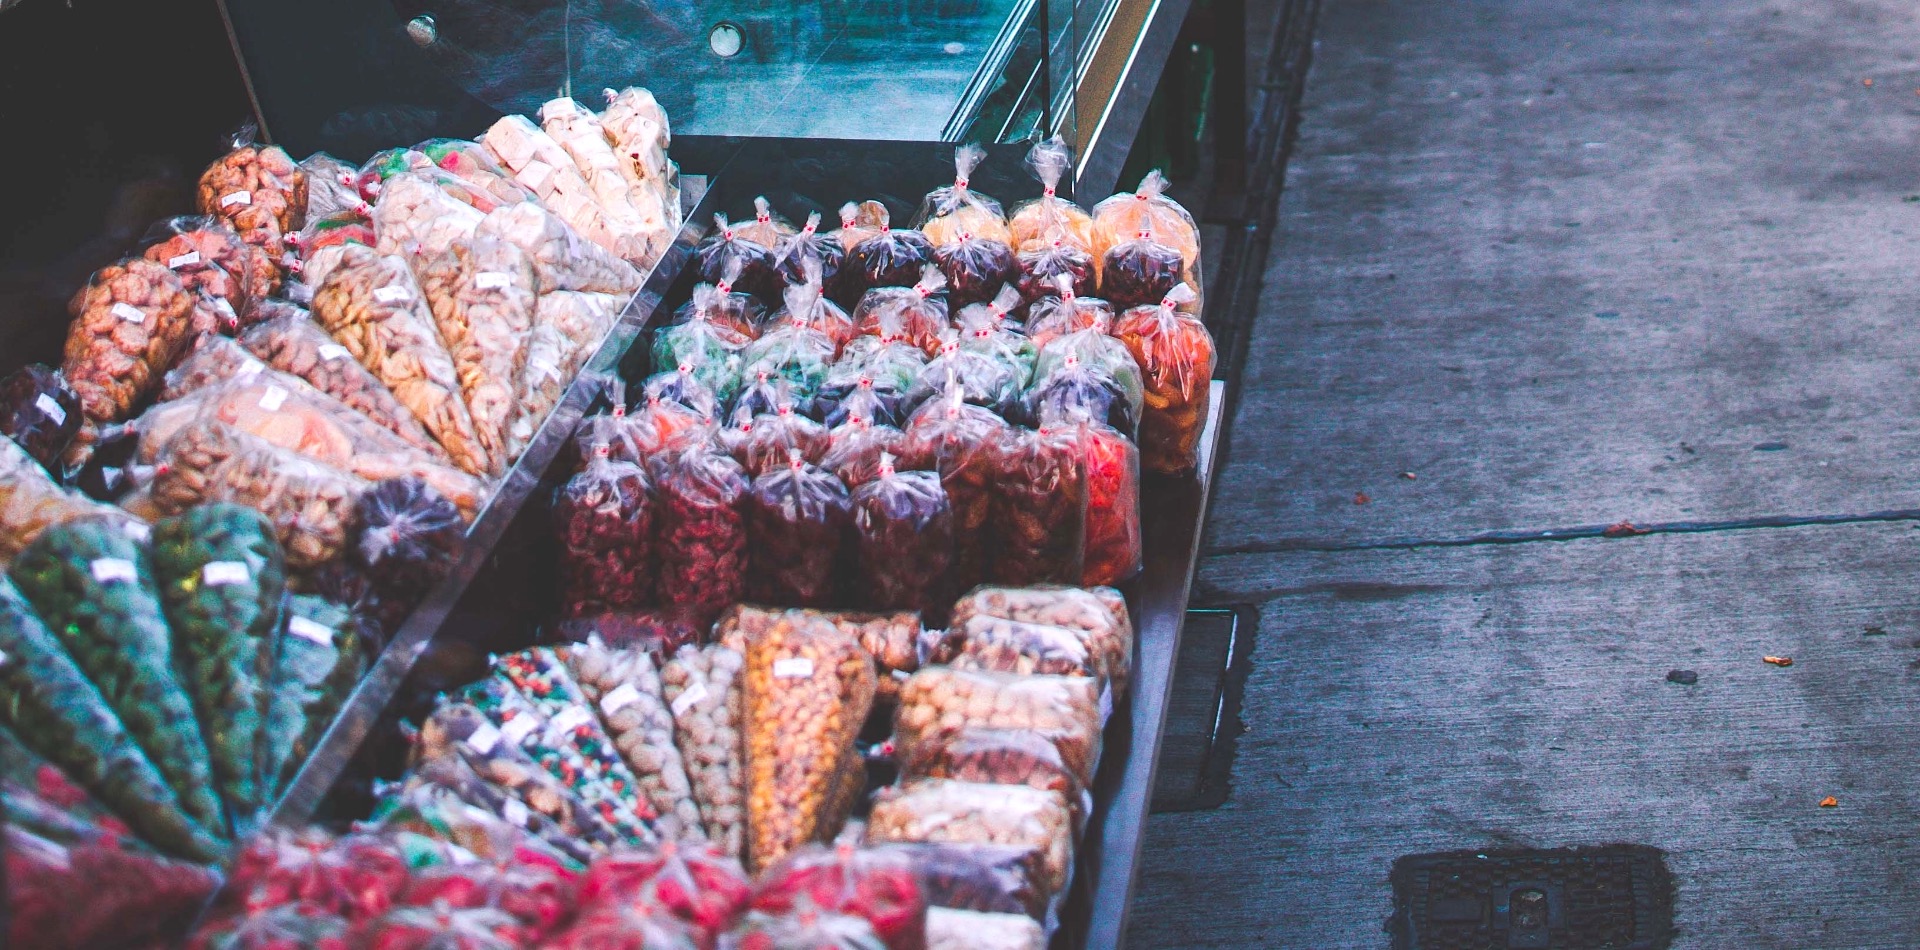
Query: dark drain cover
[{"x": 1618, "y": 897}]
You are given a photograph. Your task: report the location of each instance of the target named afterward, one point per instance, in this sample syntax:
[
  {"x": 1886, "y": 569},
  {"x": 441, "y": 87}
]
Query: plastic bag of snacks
[
  {"x": 539, "y": 164},
  {"x": 129, "y": 325},
  {"x": 1077, "y": 391},
  {"x": 999, "y": 645},
  {"x": 604, "y": 519},
  {"x": 858, "y": 222},
  {"x": 535, "y": 895},
  {"x": 960, "y": 442},
  {"x": 766, "y": 443},
  {"x": 720, "y": 303},
  {"x": 1112, "y": 465},
  {"x": 807, "y": 692},
  {"x": 481, "y": 293},
  {"x": 1176, "y": 354},
  {"x": 767, "y": 229},
  {"x": 318, "y": 656},
  {"x": 408, "y": 537},
  {"x": 255, "y": 188},
  {"x": 93, "y": 586},
  {"x": 1124, "y": 217},
  {"x": 940, "y": 701},
  {"x": 807, "y": 305},
  {"x": 952, "y": 210},
  {"x": 436, "y": 787},
  {"x": 950, "y": 929},
  {"x": 702, "y": 689},
  {"x": 129, "y": 899},
  {"x": 310, "y": 504},
  {"x": 30, "y": 502},
  {"x": 292, "y": 343},
  {"x": 986, "y": 328},
  {"x": 356, "y": 877},
  {"x": 221, "y": 575},
  {"x": 988, "y": 878},
  {"x": 61, "y": 714},
  {"x": 442, "y": 927},
  {"x": 638, "y": 126},
  {"x": 977, "y": 268},
  {"x": 39, "y": 412},
  {"x": 903, "y": 540},
  {"x": 797, "y": 518},
  {"x": 795, "y": 352},
  {"x": 1042, "y": 268},
  {"x": 681, "y": 387},
  {"x": 371, "y": 305},
  {"x": 637, "y": 217},
  {"x": 416, "y": 218},
  {"x": 891, "y": 639},
  {"x": 462, "y": 731},
  {"x": 562, "y": 259},
  {"x": 624, "y": 927},
  {"x": 890, "y": 258},
  {"x": 872, "y": 381},
  {"x": 880, "y": 887},
  {"x": 1100, "y": 614},
  {"x": 661, "y": 426},
  {"x": 208, "y": 256},
  {"x": 987, "y": 376},
  {"x": 1140, "y": 270},
  {"x": 1100, "y": 353},
  {"x": 470, "y": 162},
  {"x": 543, "y": 380},
  {"x": 807, "y": 252},
  {"x": 626, "y": 687},
  {"x": 712, "y": 349},
  {"x": 332, "y": 187},
  {"x": 323, "y": 233},
  {"x": 806, "y": 929},
  {"x": 1053, "y": 317},
  {"x": 855, "y": 446},
  {"x": 1049, "y": 218},
  {"x": 916, "y": 315},
  {"x": 949, "y": 810},
  {"x": 583, "y": 320},
  {"x": 764, "y": 394},
  {"x": 702, "y": 529},
  {"x": 1039, "y": 509},
  {"x": 729, "y": 256}
]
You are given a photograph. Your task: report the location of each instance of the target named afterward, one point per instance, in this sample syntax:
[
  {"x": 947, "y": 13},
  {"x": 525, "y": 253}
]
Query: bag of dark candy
[
  {"x": 1123, "y": 217},
  {"x": 950, "y": 211},
  {"x": 1042, "y": 268},
  {"x": 987, "y": 377},
  {"x": 765, "y": 443},
  {"x": 765, "y": 393},
  {"x": 39, "y": 412},
  {"x": 986, "y": 328},
  {"x": 683, "y": 387},
  {"x": 1039, "y": 509},
  {"x": 855, "y": 448},
  {"x": 903, "y": 540},
  {"x": 1095, "y": 350},
  {"x": 916, "y": 315},
  {"x": 603, "y": 519},
  {"x": 873, "y": 379},
  {"x": 797, "y": 519},
  {"x": 806, "y": 304},
  {"x": 976, "y": 268},
  {"x": 702, "y": 529},
  {"x": 719, "y": 303},
  {"x": 960, "y": 442},
  {"x": 727, "y": 256},
  {"x": 408, "y": 537},
  {"x": 1078, "y": 389},
  {"x": 1140, "y": 271},
  {"x": 810, "y": 248},
  {"x": 891, "y": 258}
]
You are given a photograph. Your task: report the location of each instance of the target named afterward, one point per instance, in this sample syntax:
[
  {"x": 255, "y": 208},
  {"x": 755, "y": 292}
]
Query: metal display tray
[{"x": 504, "y": 586}]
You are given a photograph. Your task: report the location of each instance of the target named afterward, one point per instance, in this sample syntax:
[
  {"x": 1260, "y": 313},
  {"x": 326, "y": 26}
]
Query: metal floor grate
[{"x": 1617, "y": 897}]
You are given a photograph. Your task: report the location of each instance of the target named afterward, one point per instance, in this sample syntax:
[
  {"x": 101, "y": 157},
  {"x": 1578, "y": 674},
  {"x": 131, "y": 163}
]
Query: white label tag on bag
[
  {"x": 492, "y": 280},
  {"x": 793, "y": 667},
  {"x": 50, "y": 407},
  {"x": 519, "y": 728},
  {"x": 569, "y": 719},
  {"x": 106, "y": 570},
  {"x": 218, "y": 573},
  {"x": 128, "y": 312},
  {"x": 249, "y": 369},
  {"x": 236, "y": 198},
  {"x": 394, "y": 294},
  {"x": 484, "y": 738},
  {"x": 333, "y": 351},
  {"x": 221, "y": 304},
  {"x": 274, "y": 398},
  {"x": 685, "y": 701},
  {"x": 312, "y": 630},
  {"x": 619, "y": 699},
  {"x": 137, "y": 531},
  {"x": 515, "y": 813},
  {"x": 184, "y": 260}
]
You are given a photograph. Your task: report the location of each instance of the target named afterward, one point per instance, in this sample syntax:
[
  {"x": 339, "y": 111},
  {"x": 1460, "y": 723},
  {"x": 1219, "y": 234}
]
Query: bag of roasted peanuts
[
  {"x": 1100, "y": 613},
  {"x": 702, "y": 689},
  {"x": 947, "y": 810},
  {"x": 625, "y": 686},
  {"x": 310, "y": 504},
  {"x": 481, "y": 292},
  {"x": 130, "y": 322}
]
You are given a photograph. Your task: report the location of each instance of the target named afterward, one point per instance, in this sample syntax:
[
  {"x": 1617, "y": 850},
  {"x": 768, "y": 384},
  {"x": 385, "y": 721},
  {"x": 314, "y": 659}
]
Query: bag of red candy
[
  {"x": 960, "y": 442},
  {"x": 539, "y": 897},
  {"x": 659, "y": 426},
  {"x": 1112, "y": 466},
  {"x": 891, "y": 258},
  {"x": 811, "y": 251},
  {"x": 637, "y": 927},
  {"x": 764, "y": 444},
  {"x": 878, "y": 886},
  {"x": 916, "y": 315},
  {"x": 1067, "y": 312},
  {"x": 854, "y": 449},
  {"x": 695, "y": 886},
  {"x": 126, "y": 896},
  {"x": 268, "y": 926},
  {"x": 1039, "y": 513},
  {"x": 903, "y": 538},
  {"x": 728, "y": 257},
  {"x": 797, "y": 518},
  {"x": 1176, "y": 356},
  {"x": 444, "y": 927},
  {"x": 356, "y": 877},
  {"x": 702, "y": 530},
  {"x": 603, "y": 518}
]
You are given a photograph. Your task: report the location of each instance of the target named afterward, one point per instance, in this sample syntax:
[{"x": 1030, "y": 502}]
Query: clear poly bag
[
  {"x": 470, "y": 162},
  {"x": 372, "y": 305},
  {"x": 543, "y": 167},
  {"x": 953, "y": 929},
  {"x": 681, "y": 386},
  {"x": 660, "y": 426},
  {"x": 807, "y": 692},
  {"x": 1176, "y": 356},
  {"x": 702, "y": 689},
  {"x": 481, "y": 293},
  {"x": 808, "y": 251},
  {"x": 603, "y": 518},
  {"x": 988, "y": 328},
  {"x": 915, "y": 315},
  {"x": 952, "y": 210},
  {"x": 562, "y": 259},
  {"x": 310, "y": 504},
  {"x": 208, "y": 256},
  {"x": 583, "y": 320},
  {"x": 855, "y": 447},
  {"x": 624, "y": 927},
  {"x": 764, "y": 444},
  {"x": 1049, "y": 218},
  {"x": 460, "y": 730},
  {"x": 987, "y": 878},
  {"x": 702, "y": 528},
  {"x": 1039, "y": 510},
  {"x": 130, "y": 322},
  {"x": 692, "y": 886},
  {"x": 1095, "y": 350},
  {"x": 977, "y": 268},
  {"x": 890, "y": 258},
  {"x": 807, "y": 305},
  {"x": 446, "y": 928},
  {"x": 729, "y": 256},
  {"x": 408, "y": 537},
  {"x": 636, "y": 216},
  {"x": 767, "y": 229},
  {"x": 874, "y": 378},
  {"x": 797, "y": 519},
  {"x": 764, "y": 394},
  {"x": 31, "y": 502},
  {"x": 39, "y": 412},
  {"x": 317, "y": 658},
  {"x": 417, "y": 219},
  {"x": 996, "y": 644},
  {"x": 640, "y": 131},
  {"x": 1100, "y": 613},
  {"x": 807, "y": 929},
  {"x": 255, "y": 187},
  {"x": 878, "y": 886},
  {"x": 332, "y": 187},
  {"x": 938, "y": 702},
  {"x": 1042, "y": 268},
  {"x": 625, "y": 686},
  {"x": 943, "y": 810},
  {"x": 1124, "y": 216},
  {"x": 988, "y": 377},
  {"x": 538, "y": 896},
  {"x": 543, "y": 380},
  {"x": 1140, "y": 270},
  {"x": 903, "y": 540},
  {"x": 292, "y": 343},
  {"x": 1111, "y": 463},
  {"x": 711, "y": 348},
  {"x": 961, "y": 442},
  {"x": 1050, "y": 318}
]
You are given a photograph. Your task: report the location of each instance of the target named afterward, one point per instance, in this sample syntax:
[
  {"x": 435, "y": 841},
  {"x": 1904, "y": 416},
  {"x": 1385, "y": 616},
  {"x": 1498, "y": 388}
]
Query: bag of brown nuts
[
  {"x": 939, "y": 701},
  {"x": 981, "y": 642},
  {"x": 626, "y": 689},
  {"x": 310, "y": 504},
  {"x": 1039, "y": 512},
  {"x": 129, "y": 325},
  {"x": 481, "y": 292},
  {"x": 1100, "y": 613},
  {"x": 371, "y": 305},
  {"x": 948, "y": 810},
  {"x": 808, "y": 690},
  {"x": 208, "y": 255},
  {"x": 702, "y": 689},
  {"x": 292, "y": 343},
  {"x": 562, "y": 259}
]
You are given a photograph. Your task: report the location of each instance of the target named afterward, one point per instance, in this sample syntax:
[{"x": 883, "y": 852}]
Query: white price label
[
  {"x": 685, "y": 701},
  {"x": 273, "y": 399},
  {"x": 394, "y": 294},
  {"x": 333, "y": 351},
  {"x": 492, "y": 280},
  {"x": 221, "y": 304},
  {"x": 484, "y": 738},
  {"x": 792, "y": 667},
  {"x": 236, "y": 198},
  {"x": 219, "y": 573},
  {"x": 3, "y": 658},
  {"x": 50, "y": 407},
  {"x": 249, "y": 369},
  {"x": 137, "y": 531},
  {"x": 184, "y": 260},
  {"x": 535, "y": 175},
  {"x": 571, "y": 718},
  {"x": 312, "y": 630},
  {"x": 515, "y": 813},
  {"x": 619, "y": 699},
  {"x": 128, "y": 312},
  {"x": 519, "y": 728},
  {"x": 902, "y": 675},
  {"x": 106, "y": 570}
]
